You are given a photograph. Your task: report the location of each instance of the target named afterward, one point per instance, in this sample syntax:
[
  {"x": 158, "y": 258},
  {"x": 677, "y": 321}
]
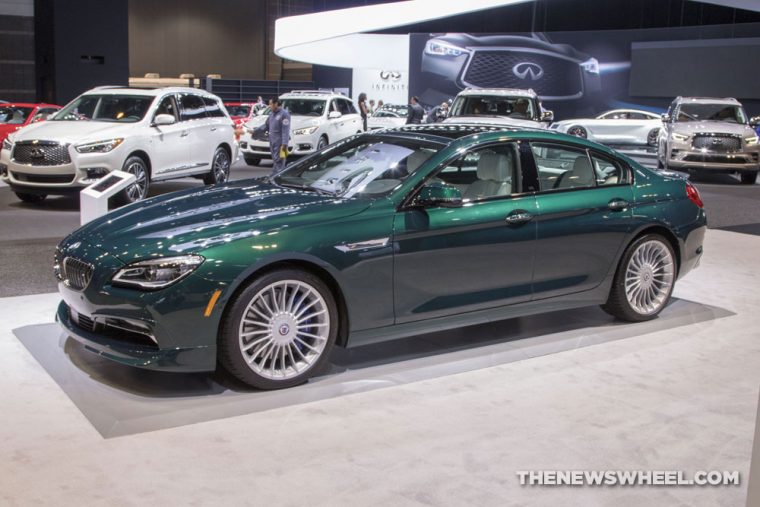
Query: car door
[
  {"x": 584, "y": 216},
  {"x": 335, "y": 126},
  {"x": 193, "y": 111},
  {"x": 218, "y": 128},
  {"x": 352, "y": 119},
  {"x": 450, "y": 260},
  {"x": 170, "y": 143}
]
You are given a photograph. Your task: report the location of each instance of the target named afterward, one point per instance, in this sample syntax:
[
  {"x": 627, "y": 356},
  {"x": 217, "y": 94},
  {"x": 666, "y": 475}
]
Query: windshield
[
  {"x": 711, "y": 112},
  {"x": 391, "y": 112},
  {"x": 304, "y": 107},
  {"x": 489, "y": 105},
  {"x": 370, "y": 166},
  {"x": 238, "y": 110},
  {"x": 111, "y": 108},
  {"x": 13, "y": 115}
]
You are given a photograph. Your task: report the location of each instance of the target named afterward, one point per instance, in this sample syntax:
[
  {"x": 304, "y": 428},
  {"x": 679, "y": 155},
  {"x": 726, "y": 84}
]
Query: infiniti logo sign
[{"x": 528, "y": 70}]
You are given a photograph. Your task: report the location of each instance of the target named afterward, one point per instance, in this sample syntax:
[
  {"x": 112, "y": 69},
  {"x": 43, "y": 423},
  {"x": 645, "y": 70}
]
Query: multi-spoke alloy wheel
[
  {"x": 577, "y": 131},
  {"x": 220, "y": 168},
  {"x": 644, "y": 280},
  {"x": 140, "y": 188},
  {"x": 280, "y": 330}
]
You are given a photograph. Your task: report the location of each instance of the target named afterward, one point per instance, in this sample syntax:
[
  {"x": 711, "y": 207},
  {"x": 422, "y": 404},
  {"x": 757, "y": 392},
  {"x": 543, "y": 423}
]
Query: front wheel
[
  {"x": 138, "y": 190},
  {"x": 279, "y": 331},
  {"x": 749, "y": 178},
  {"x": 220, "y": 168},
  {"x": 652, "y": 137},
  {"x": 644, "y": 280},
  {"x": 578, "y": 131}
]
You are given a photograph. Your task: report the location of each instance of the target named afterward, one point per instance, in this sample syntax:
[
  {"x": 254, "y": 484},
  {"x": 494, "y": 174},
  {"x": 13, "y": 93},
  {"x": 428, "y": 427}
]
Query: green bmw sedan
[{"x": 383, "y": 235}]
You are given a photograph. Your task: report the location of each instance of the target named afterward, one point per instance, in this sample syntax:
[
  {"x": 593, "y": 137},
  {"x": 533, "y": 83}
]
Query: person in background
[
  {"x": 438, "y": 113},
  {"x": 278, "y": 125},
  {"x": 416, "y": 114},
  {"x": 371, "y": 106},
  {"x": 259, "y": 101},
  {"x": 363, "y": 109},
  {"x": 379, "y": 104}
]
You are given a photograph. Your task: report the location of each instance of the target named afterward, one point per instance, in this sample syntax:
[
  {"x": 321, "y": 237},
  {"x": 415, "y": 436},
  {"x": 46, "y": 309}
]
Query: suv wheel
[
  {"x": 322, "y": 143},
  {"x": 220, "y": 168},
  {"x": 31, "y": 198},
  {"x": 749, "y": 178},
  {"x": 139, "y": 189}
]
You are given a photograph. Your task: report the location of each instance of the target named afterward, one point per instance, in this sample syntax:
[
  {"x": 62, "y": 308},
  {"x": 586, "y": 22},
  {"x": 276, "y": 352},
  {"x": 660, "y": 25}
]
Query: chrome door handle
[
  {"x": 618, "y": 204},
  {"x": 518, "y": 217}
]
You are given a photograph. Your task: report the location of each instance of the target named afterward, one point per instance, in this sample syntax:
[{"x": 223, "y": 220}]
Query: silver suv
[{"x": 709, "y": 134}]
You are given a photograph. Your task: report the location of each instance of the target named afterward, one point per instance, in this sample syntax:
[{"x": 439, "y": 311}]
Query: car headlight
[
  {"x": 7, "y": 145},
  {"x": 99, "y": 146},
  {"x": 679, "y": 137},
  {"x": 751, "y": 140},
  {"x": 591, "y": 66},
  {"x": 306, "y": 131},
  {"x": 438, "y": 48},
  {"x": 157, "y": 273}
]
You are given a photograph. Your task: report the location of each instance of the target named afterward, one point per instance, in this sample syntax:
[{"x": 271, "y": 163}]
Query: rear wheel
[
  {"x": 652, "y": 137},
  {"x": 220, "y": 168},
  {"x": 279, "y": 331},
  {"x": 749, "y": 178},
  {"x": 31, "y": 198},
  {"x": 644, "y": 280},
  {"x": 252, "y": 160},
  {"x": 578, "y": 131},
  {"x": 139, "y": 189}
]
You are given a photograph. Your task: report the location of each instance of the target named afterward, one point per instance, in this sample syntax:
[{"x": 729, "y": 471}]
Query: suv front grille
[
  {"x": 721, "y": 143},
  {"x": 43, "y": 178},
  {"x": 75, "y": 273},
  {"x": 547, "y": 75},
  {"x": 41, "y": 153}
]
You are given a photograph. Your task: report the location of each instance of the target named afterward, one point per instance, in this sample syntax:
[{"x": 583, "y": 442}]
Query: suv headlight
[
  {"x": 7, "y": 145},
  {"x": 157, "y": 273},
  {"x": 438, "y": 48},
  {"x": 591, "y": 66},
  {"x": 679, "y": 137},
  {"x": 99, "y": 146},
  {"x": 751, "y": 140},
  {"x": 306, "y": 131}
]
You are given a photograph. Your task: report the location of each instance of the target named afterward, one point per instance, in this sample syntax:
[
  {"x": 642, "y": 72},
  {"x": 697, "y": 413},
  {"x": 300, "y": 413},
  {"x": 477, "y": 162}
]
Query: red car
[
  {"x": 241, "y": 112},
  {"x": 14, "y": 116}
]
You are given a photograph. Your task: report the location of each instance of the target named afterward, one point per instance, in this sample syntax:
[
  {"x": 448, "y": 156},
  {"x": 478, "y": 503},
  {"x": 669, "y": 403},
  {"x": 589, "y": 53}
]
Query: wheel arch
[
  {"x": 666, "y": 233},
  {"x": 227, "y": 148},
  {"x": 144, "y": 156}
]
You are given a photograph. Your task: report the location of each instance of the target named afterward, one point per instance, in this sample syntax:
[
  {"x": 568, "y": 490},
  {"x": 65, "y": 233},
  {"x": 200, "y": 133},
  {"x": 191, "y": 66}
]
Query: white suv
[
  {"x": 154, "y": 134},
  {"x": 317, "y": 118},
  {"x": 500, "y": 106}
]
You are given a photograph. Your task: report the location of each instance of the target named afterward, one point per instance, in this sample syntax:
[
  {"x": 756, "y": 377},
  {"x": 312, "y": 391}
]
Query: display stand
[{"x": 93, "y": 200}]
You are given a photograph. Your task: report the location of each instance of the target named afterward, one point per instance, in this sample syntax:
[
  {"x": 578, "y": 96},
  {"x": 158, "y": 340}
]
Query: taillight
[{"x": 693, "y": 194}]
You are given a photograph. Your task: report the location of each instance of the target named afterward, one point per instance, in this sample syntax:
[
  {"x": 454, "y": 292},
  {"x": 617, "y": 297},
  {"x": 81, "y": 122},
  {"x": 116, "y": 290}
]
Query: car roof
[
  {"x": 641, "y": 111},
  {"x": 148, "y": 92},
  {"x": 459, "y": 130},
  {"x": 709, "y": 100},
  {"x": 518, "y": 92},
  {"x": 313, "y": 94}
]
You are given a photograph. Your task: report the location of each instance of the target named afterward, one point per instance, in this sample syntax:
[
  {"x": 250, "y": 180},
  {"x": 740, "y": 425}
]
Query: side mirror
[
  {"x": 665, "y": 118},
  {"x": 547, "y": 116},
  {"x": 754, "y": 121},
  {"x": 334, "y": 115},
  {"x": 163, "y": 119},
  {"x": 437, "y": 194}
]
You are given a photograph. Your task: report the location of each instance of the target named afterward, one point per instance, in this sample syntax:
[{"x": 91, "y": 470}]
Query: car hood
[
  {"x": 296, "y": 122},
  {"x": 196, "y": 219},
  {"x": 712, "y": 127},
  {"x": 495, "y": 120},
  {"x": 72, "y": 131}
]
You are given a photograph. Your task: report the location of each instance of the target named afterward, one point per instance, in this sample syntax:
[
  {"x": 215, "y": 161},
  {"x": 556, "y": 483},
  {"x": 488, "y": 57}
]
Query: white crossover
[
  {"x": 510, "y": 107},
  {"x": 388, "y": 116},
  {"x": 317, "y": 119},
  {"x": 617, "y": 127},
  {"x": 154, "y": 134}
]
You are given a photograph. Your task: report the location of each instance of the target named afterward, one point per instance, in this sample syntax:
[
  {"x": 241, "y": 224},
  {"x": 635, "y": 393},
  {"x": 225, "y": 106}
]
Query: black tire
[
  {"x": 748, "y": 178},
  {"x": 578, "y": 131},
  {"x": 31, "y": 198},
  {"x": 252, "y": 160},
  {"x": 139, "y": 190},
  {"x": 652, "y": 136},
  {"x": 230, "y": 350},
  {"x": 660, "y": 165},
  {"x": 322, "y": 143},
  {"x": 618, "y": 304},
  {"x": 220, "y": 168}
]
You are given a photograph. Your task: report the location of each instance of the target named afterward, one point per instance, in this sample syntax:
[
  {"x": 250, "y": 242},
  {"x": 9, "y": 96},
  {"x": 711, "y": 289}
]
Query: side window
[
  {"x": 562, "y": 167},
  {"x": 213, "y": 110},
  {"x": 193, "y": 107},
  {"x": 608, "y": 172},
  {"x": 334, "y": 105},
  {"x": 349, "y": 107},
  {"x": 343, "y": 106},
  {"x": 485, "y": 173},
  {"x": 168, "y": 105}
]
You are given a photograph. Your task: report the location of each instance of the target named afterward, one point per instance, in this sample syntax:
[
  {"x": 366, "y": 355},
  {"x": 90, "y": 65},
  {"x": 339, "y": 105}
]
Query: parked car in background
[
  {"x": 499, "y": 106},
  {"x": 709, "y": 134},
  {"x": 387, "y": 116},
  {"x": 616, "y": 127},
  {"x": 242, "y": 112},
  {"x": 15, "y": 116},
  {"x": 155, "y": 134},
  {"x": 384, "y": 235},
  {"x": 317, "y": 119}
]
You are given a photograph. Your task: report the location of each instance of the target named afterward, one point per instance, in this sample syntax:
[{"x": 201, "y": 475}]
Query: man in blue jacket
[{"x": 278, "y": 126}]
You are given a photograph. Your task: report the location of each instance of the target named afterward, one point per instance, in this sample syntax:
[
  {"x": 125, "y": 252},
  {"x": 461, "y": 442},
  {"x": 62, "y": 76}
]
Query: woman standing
[{"x": 363, "y": 109}]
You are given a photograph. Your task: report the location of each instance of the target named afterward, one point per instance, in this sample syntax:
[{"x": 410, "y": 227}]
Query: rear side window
[
  {"x": 213, "y": 109},
  {"x": 344, "y": 106},
  {"x": 193, "y": 107},
  {"x": 562, "y": 167},
  {"x": 608, "y": 171}
]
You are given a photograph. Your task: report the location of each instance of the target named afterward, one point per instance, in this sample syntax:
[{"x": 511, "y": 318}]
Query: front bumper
[
  {"x": 298, "y": 145},
  {"x": 726, "y": 162}
]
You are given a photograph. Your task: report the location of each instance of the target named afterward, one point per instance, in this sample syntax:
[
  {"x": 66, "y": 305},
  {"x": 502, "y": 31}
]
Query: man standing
[
  {"x": 416, "y": 114},
  {"x": 278, "y": 125}
]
